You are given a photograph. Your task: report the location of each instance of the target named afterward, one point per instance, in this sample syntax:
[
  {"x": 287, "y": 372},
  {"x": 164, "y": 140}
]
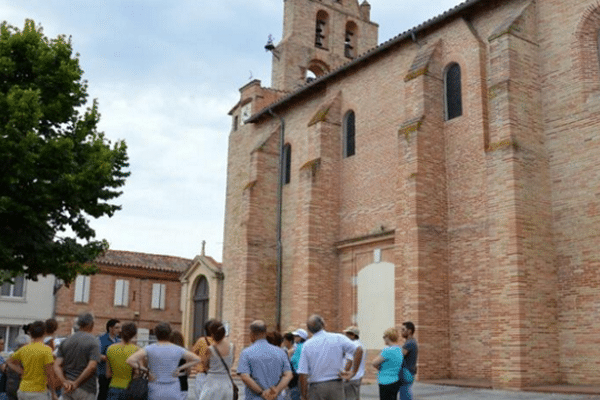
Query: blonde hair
[{"x": 392, "y": 334}]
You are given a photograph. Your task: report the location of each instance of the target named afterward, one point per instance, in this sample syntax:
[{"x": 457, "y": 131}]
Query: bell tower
[{"x": 319, "y": 36}]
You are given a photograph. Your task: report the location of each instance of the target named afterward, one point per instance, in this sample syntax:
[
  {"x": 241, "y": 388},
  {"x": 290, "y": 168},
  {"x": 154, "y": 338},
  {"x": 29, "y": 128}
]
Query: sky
[{"x": 165, "y": 74}]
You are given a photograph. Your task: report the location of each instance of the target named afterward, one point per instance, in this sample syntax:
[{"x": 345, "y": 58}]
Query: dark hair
[
  {"x": 85, "y": 320},
  {"x": 162, "y": 331},
  {"x": 209, "y": 326},
  {"x": 258, "y": 327},
  {"x": 111, "y": 322},
  {"x": 37, "y": 329},
  {"x": 128, "y": 331},
  {"x": 218, "y": 331},
  {"x": 176, "y": 338},
  {"x": 51, "y": 326},
  {"x": 289, "y": 336},
  {"x": 275, "y": 338},
  {"x": 315, "y": 323},
  {"x": 410, "y": 326}
]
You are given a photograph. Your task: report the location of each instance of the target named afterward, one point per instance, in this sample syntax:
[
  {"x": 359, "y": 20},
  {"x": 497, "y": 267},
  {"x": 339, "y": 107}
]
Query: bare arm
[
  {"x": 60, "y": 375},
  {"x": 191, "y": 358},
  {"x": 283, "y": 382},
  {"x": 15, "y": 365},
  {"x": 86, "y": 374},
  {"x": 251, "y": 383},
  {"x": 303, "y": 379},
  {"x": 378, "y": 361},
  {"x": 137, "y": 359}
]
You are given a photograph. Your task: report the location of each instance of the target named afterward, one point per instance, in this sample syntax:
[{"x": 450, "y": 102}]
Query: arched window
[
  {"x": 453, "y": 96},
  {"x": 349, "y": 134},
  {"x": 322, "y": 29},
  {"x": 350, "y": 40},
  {"x": 287, "y": 163}
]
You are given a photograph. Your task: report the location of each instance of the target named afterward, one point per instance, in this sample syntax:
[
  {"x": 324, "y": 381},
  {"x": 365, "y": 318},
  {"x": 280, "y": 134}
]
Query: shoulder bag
[
  {"x": 138, "y": 387},
  {"x": 235, "y": 388}
]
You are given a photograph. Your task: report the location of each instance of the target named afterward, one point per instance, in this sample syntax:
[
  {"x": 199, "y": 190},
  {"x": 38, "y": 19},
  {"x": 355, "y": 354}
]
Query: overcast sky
[{"x": 165, "y": 74}]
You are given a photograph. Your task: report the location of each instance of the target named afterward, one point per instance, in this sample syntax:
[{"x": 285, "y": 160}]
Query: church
[{"x": 449, "y": 176}]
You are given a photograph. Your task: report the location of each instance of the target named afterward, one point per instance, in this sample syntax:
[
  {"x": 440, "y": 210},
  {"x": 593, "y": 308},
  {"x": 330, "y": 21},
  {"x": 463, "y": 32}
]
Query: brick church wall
[{"x": 490, "y": 218}]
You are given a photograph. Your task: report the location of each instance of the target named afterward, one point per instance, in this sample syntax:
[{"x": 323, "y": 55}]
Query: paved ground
[{"x": 433, "y": 392}]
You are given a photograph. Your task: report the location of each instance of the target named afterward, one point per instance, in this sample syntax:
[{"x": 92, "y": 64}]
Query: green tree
[{"x": 56, "y": 169}]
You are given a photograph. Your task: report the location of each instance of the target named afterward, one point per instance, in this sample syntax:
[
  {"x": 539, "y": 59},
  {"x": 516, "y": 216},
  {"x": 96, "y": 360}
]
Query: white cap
[{"x": 300, "y": 332}]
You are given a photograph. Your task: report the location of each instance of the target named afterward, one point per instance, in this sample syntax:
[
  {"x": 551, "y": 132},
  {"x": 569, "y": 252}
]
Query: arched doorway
[{"x": 200, "y": 307}]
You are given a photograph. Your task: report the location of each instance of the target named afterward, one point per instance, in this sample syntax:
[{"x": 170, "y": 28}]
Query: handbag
[
  {"x": 235, "y": 388},
  {"x": 138, "y": 387}
]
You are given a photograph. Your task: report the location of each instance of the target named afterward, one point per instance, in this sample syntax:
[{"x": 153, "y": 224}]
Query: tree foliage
[{"x": 56, "y": 169}]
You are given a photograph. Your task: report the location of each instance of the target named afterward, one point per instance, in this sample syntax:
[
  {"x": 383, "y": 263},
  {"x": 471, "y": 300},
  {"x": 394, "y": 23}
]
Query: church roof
[
  {"x": 153, "y": 262},
  {"x": 409, "y": 34}
]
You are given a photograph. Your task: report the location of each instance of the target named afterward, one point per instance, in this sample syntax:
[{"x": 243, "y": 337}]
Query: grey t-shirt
[
  {"x": 411, "y": 357},
  {"x": 77, "y": 351}
]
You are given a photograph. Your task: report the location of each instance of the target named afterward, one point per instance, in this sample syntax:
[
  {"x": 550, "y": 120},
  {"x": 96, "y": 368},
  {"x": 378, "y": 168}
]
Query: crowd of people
[{"x": 311, "y": 364}]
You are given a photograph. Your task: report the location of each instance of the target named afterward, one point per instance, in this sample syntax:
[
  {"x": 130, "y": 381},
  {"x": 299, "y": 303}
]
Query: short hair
[
  {"x": 162, "y": 331},
  {"x": 208, "y": 327},
  {"x": 111, "y": 322},
  {"x": 315, "y": 323},
  {"x": 275, "y": 338},
  {"x": 258, "y": 327},
  {"x": 410, "y": 326},
  {"x": 218, "y": 331},
  {"x": 392, "y": 334},
  {"x": 51, "y": 326},
  {"x": 289, "y": 336},
  {"x": 176, "y": 338},
  {"x": 37, "y": 329},
  {"x": 85, "y": 320},
  {"x": 128, "y": 331}
]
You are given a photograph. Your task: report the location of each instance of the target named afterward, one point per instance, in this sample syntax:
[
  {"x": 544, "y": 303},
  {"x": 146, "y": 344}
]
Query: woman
[
  {"x": 388, "y": 363},
  {"x": 218, "y": 381},
  {"x": 117, "y": 369},
  {"x": 162, "y": 359}
]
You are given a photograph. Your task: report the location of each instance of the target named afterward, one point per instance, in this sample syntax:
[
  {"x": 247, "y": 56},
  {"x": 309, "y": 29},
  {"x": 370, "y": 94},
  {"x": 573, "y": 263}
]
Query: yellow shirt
[
  {"x": 201, "y": 348},
  {"x": 117, "y": 354},
  {"x": 34, "y": 357}
]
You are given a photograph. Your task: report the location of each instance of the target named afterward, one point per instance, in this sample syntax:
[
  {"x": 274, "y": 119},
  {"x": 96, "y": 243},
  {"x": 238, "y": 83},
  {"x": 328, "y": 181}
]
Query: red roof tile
[{"x": 144, "y": 260}]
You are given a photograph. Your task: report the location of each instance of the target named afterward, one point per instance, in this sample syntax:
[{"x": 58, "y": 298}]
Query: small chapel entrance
[{"x": 200, "y": 307}]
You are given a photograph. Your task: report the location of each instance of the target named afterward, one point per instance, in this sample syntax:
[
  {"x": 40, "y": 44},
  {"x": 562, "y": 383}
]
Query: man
[
  {"x": 200, "y": 348},
  {"x": 410, "y": 351},
  {"x": 34, "y": 363},
  {"x": 352, "y": 387},
  {"x": 322, "y": 360},
  {"x": 264, "y": 368},
  {"x": 113, "y": 330},
  {"x": 76, "y": 360}
]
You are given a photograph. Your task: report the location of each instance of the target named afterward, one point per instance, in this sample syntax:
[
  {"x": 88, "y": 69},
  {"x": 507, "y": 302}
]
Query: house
[
  {"x": 20, "y": 304},
  {"x": 139, "y": 287},
  {"x": 448, "y": 176}
]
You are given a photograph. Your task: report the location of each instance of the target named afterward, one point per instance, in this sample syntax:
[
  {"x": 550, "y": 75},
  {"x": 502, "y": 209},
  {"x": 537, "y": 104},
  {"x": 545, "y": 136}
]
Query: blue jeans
[
  {"x": 115, "y": 394},
  {"x": 295, "y": 392},
  {"x": 406, "y": 392}
]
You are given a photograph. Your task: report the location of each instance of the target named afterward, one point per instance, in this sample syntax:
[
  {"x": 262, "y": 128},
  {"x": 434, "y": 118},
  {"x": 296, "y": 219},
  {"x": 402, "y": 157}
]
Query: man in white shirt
[
  {"x": 321, "y": 366},
  {"x": 352, "y": 387}
]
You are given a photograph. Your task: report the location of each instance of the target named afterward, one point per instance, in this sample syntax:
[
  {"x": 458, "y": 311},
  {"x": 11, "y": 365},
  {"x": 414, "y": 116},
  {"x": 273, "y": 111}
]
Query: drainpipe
[{"x": 279, "y": 218}]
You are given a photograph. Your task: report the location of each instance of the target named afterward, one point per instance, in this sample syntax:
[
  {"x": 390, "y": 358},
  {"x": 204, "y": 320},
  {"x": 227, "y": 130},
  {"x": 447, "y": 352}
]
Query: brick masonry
[{"x": 491, "y": 218}]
